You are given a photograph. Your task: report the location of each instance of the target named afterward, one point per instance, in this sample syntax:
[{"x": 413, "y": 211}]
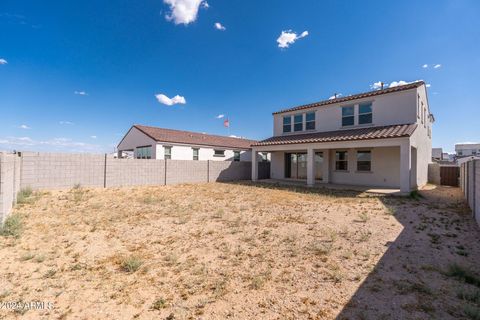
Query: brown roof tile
[
  {"x": 355, "y": 96},
  {"x": 383, "y": 132},
  {"x": 194, "y": 138}
]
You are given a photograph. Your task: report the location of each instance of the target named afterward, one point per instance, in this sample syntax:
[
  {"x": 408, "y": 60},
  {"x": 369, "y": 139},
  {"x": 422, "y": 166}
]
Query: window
[
  {"x": 287, "y": 124},
  {"x": 236, "y": 155},
  {"x": 167, "y": 153},
  {"x": 460, "y": 153},
  {"x": 195, "y": 153},
  {"x": 341, "y": 161},
  {"x": 219, "y": 153},
  {"x": 310, "y": 121},
  {"x": 364, "y": 161},
  {"x": 365, "y": 113},
  {"x": 298, "y": 122},
  {"x": 348, "y": 118},
  {"x": 264, "y": 156},
  {"x": 143, "y": 152},
  {"x": 418, "y": 106}
]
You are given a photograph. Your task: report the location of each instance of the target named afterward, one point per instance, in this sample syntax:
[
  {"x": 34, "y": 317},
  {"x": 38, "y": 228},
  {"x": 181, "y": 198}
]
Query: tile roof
[
  {"x": 355, "y": 96},
  {"x": 383, "y": 132},
  {"x": 194, "y": 138}
]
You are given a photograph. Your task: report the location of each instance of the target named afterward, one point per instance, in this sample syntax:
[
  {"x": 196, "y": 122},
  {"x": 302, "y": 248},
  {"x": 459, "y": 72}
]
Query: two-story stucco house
[
  {"x": 159, "y": 143},
  {"x": 467, "y": 149},
  {"x": 380, "y": 138}
]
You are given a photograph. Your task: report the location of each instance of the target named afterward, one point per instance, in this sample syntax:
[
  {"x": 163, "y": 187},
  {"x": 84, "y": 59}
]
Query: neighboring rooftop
[
  {"x": 409, "y": 86},
  {"x": 194, "y": 138},
  {"x": 383, "y": 132}
]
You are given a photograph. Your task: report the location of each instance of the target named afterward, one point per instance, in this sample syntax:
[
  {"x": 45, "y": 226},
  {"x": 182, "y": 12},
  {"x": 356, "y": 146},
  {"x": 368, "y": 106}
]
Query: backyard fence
[
  {"x": 470, "y": 185},
  {"x": 61, "y": 171}
]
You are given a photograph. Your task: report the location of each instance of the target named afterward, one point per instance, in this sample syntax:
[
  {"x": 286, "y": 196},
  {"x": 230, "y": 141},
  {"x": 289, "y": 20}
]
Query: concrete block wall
[
  {"x": 229, "y": 171},
  {"x": 9, "y": 186},
  {"x": 186, "y": 171},
  {"x": 470, "y": 185},
  {"x": 134, "y": 172},
  {"x": 434, "y": 173},
  {"x": 61, "y": 170},
  {"x": 476, "y": 209}
]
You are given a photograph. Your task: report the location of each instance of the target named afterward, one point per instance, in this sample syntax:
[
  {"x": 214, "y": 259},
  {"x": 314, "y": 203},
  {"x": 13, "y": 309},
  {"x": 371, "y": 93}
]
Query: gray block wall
[
  {"x": 186, "y": 171},
  {"x": 9, "y": 183},
  {"x": 62, "y": 171},
  {"x": 134, "y": 172}
]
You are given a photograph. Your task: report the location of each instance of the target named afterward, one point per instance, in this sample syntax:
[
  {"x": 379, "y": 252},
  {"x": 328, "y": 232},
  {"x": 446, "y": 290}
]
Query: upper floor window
[
  {"x": 365, "y": 113},
  {"x": 298, "y": 122},
  {"x": 143, "y": 152},
  {"x": 310, "y": 121},
  {"x": 195, "y": 153},
  {"x": 348, "y": 116},
  {"x": 418, "y": 106},
  {"x": 341, "y": 161},
  {"x": 460, "y": 153},
  {"x": 287, "y": 124},
  {"x": 364, "y": 161},
  {"x": 167, "y": 154},
  {"x": 219, "y": 153},
  {"x": 236, "y": 155}
]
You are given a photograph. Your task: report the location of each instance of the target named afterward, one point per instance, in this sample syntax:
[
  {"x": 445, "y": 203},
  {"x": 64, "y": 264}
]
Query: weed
[
  {"x": 472, "y": 312},
  {"x": 468, "y": 295},
  {"x": 363, "y": 217},
  {"x": 49, "y": 274},
  {"x": 463, "y": 274},
  {"x": 27, "y": 256},
  {"x": 23, "y": 196},
  {"x": 321, "y": 248},
  {"x": 159, "y": 304},
  {"x": 131, "y": 264},
  {"x": 40, "y": 258},
  {"x": 415, "y": 195},
  {"x": 12, "y": 227}
]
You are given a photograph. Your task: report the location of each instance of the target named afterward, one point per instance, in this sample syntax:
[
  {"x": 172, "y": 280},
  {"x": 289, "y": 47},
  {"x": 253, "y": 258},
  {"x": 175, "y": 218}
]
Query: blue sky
[{"x": 74, "y": 76}]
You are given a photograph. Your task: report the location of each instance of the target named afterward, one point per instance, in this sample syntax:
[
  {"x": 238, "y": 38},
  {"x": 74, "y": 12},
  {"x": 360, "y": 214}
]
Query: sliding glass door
[{"x": 296, "y": 165}]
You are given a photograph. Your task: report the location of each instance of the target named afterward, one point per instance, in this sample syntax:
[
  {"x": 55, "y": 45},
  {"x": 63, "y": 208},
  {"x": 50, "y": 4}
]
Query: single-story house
[{"x": 147, "y": 142}]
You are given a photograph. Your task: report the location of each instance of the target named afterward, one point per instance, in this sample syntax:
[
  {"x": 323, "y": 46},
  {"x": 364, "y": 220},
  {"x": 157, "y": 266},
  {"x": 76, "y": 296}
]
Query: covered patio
[{"x": 380, "y": 158}]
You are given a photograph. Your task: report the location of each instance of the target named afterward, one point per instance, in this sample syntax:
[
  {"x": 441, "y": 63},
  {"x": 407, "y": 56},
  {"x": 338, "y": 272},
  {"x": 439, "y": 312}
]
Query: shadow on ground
[{"x": 416, "y": 278}]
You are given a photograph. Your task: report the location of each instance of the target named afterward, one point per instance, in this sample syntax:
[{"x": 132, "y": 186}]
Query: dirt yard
[{"x": 240, "y": 251}]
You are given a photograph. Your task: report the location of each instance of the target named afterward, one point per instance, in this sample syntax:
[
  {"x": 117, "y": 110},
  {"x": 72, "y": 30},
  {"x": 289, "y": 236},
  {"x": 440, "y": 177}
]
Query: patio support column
[
  {"x": 310, "y": 167},
  {"x": 405, "y": 166},
  {"x": 254, "y": 165},
  {"x": 119, "y": 154},
  {"x": 326, "y": 166}
]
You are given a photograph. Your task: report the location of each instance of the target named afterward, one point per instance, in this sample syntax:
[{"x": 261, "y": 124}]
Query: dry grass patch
[{"x": 239, "y": 251}]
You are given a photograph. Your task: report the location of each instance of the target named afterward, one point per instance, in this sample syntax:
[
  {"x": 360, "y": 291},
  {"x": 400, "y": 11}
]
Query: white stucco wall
[
  {"x": 185, "y": 152},
  {"x": 135, "y": 138},
  {"x": 468, "y": 149},
  {"x": 388, "y": 109}
]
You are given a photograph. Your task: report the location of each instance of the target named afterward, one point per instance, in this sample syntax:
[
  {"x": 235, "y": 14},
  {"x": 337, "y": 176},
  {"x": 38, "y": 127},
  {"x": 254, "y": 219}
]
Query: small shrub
[
  {"x": 27, "y": 256},
  {"x": 131, "y": 264},
  {"x": 159, "y": 304},
  {"x": 415, "y": 195},
  {"x": 23, "y": 196},
  {"x": 463, "y": 274},
  {"x": 50, "y": 273},
  {"x": 468, "y": 295},
  {"x": 40, "y": 258},
  {"x": 363, "y": 217},
  {"x": 321, "y": 249},
  {"x": 12, "y": 227},
  {"x": 472, "y": 312}
]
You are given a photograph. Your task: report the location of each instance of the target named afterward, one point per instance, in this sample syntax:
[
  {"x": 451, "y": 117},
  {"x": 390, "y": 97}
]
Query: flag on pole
[{"x": 226, "y": 123}]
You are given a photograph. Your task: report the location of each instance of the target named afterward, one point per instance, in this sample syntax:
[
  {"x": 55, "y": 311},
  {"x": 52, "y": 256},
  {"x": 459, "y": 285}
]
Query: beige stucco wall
[
  {"x": 394, "y": 108},
  {"x": 185, "y": 152},
  {"x": 136, "y": 138}
]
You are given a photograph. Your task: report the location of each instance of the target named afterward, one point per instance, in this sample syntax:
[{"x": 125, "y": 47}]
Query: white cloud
[
  {"x": 67, "y": 123},
  {"x": 425, "y": 66},
  {"x": 428, "y": 85},
  {"x": 220, "y": 116},
  {"x": 437, "y": 66},
  {"x": 3, "y": 61},
  {"x": 378, "y": 85},
  {"x": 93, "y": 137},
  {"x": 24, "y": 126},
  {"x": 289, "y": 37},
  {"x": 80, "y": 93},
  {"x": 205, "y": 5},
  {"x": 338, "y": 95},
  {"x": 398, "y": 83},
  {"x": 219, "y": 26},
  {"x": 184, "y": 11},
  {"x": 55, "y": 144},
  {"x": 170, "y": 101}
]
